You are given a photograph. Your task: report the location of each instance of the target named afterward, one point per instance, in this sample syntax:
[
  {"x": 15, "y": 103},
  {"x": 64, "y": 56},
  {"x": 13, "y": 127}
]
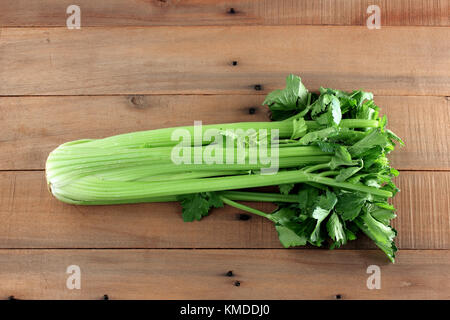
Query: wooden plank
[
  {"x": 201, "y": 274},
  {"x": 183, "y": 60},
  {"x": 423, "y": 123},
  {"x": 32, "y": 218},
  {"x": 33, "y": 126},
  {"x": 218, "y": 12}
]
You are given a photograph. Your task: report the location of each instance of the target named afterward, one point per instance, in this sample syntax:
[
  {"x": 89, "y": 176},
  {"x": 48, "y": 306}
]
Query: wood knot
[
  {"x": 243, "y": 216},
  {"x": 137, "y": 101},
  {"x": 162, "y": 3}
]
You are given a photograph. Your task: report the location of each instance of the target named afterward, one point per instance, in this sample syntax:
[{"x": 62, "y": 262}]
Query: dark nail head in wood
[
  {"x": 231, "y": 11},
  {"x": 251, "y": 110},
  {"x": 258, "y": 87},
  {"x": 243, "y": 216},
  {"x": 338, "y": 297},
  {"x": 237, "y": 283},
  {"x": 105, "y": 297},
  {"x": 229, "y": 273}
]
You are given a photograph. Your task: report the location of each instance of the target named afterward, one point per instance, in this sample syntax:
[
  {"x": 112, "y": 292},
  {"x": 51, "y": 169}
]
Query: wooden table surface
[{"x": 137, "y": 65}]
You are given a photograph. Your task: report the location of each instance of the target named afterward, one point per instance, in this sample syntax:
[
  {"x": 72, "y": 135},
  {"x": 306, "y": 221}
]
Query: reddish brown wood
[
  {"x": 32, "y": 218},
  {"x": 201, "y": 274},
  {"x": 33, "y": 126},
  {"x": 198, "y": 60},
  {"x": 221, "y": 12}
]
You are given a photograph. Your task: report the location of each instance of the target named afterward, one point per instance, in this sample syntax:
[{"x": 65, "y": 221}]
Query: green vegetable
[
  {"x": 197, "y": 205},
  {"x": 329, "y": 151}
]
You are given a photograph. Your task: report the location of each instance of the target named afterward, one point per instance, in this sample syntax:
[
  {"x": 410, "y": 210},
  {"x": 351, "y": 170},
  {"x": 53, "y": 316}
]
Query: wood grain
[
  {"x": 33, "y": 126},
  {"x": 423, "y": 124},
  {"x": 197, "y": 60},
  {"x": 32, "y": 218},
  {"x": 169, "y": 63},
  {"x": 201, "y": 274},
  {"x": 217, "y": 12}
]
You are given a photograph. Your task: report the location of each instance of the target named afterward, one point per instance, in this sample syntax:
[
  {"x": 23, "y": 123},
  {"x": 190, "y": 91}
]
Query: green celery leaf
[
  {"x": 327, "y": 201},
  {"x": 351, "y": 229},
  {"x": 307, "y": 197},
  {"x": 323, "y": 119},
  {"x": 372, "y": 183},
  {"x": 283, "y": 215},
  {"x": 327, "y": 146},
  {"x": 390, "y": 186},
  {"x": 335, "y": 114},
  {"x": 214, "y": 200},
  {"x": 299, "y": 128},
  {"x": 373, "y": 156},
  {"x": 373, "y": 139},
  {"x": 293, "y": 96},
  {"x": 382, "y": 213},
  {"x": 336, "y": 230},
  {"x": 286, "y": 188},
  {"x": 341, "y": 158},
  {"x": 349, "y": 204},
  {"x": 349, "y": 234},
  {"x": 319, "y": 135},
  {"x": 348, "y": 136},
  {"x": 196, "y": 206},
  {"x": 278, "y": 115},
  {"x": 346, "y": 173},
  {"x": 382, "y": 234},
  {"x": 362, "y": 96},
  {"x": 365, "y": 111},
  {"x": 321, "y": 104},
  {"x": 330, "y": 103},
  {"x": 324, "y": 205},
  {"x": 291, "y": 231},
  {"x": 289, "y": 238},
  {"x": 393, "y": 137}
]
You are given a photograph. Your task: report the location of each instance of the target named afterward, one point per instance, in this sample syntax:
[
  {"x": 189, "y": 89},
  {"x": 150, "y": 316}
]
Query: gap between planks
[
  {"x": 307, "y": 249},
  {"x": 400, "y": 170},
  {"x": 131, "y": 94}
]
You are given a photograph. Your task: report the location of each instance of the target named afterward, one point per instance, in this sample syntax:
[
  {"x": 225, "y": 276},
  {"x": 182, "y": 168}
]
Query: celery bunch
[{"x": 330, "y": 151}]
